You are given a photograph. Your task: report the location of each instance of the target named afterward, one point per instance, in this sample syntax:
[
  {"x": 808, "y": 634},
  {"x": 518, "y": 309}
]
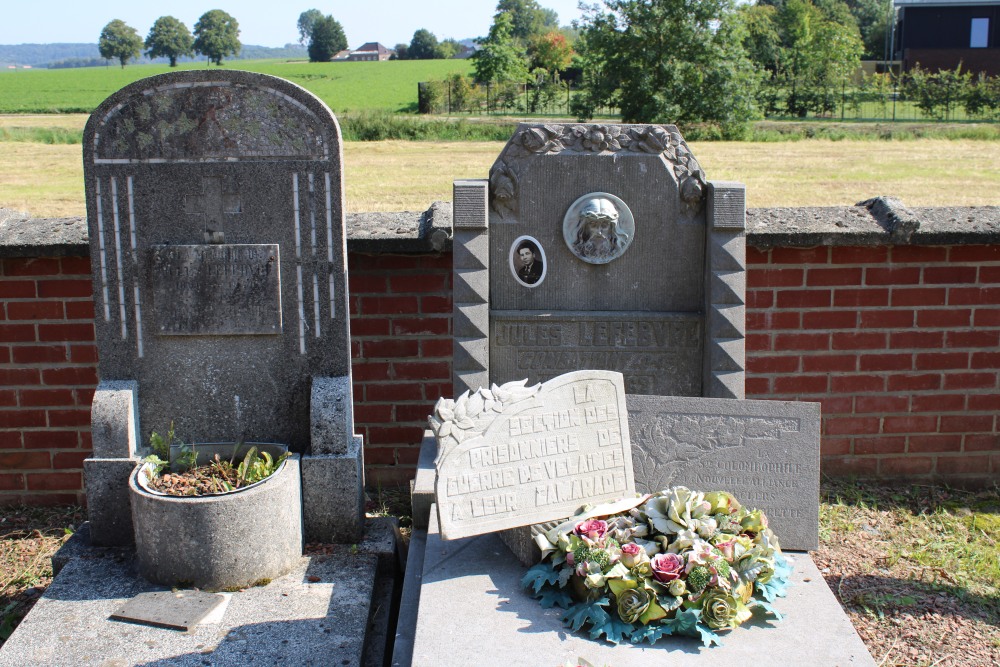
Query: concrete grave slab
[
  {"x": 331, "y": 609},
  {"x": 766, "y": 453},
  {"x": 471, "y": 605},
  {"x": 515, "y": 455}
]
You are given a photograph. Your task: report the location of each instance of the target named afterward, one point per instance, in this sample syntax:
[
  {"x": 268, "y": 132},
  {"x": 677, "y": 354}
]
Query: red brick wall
[
  {"x": 48, "y": 370},
  {"x": 900, "y": 344},
  {"x": 401, "y": 345}
]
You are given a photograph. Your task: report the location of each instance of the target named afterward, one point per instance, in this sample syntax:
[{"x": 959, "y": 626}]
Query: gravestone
[
  {"x": 513, "y": 455},
  {"x": 600, "y": 247},
  {"x": 766, "y": 453},
  {"x": 216, "y": 217}
]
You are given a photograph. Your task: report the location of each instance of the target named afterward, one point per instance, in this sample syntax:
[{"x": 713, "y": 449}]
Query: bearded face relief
[{"x": 598, "y": 228}]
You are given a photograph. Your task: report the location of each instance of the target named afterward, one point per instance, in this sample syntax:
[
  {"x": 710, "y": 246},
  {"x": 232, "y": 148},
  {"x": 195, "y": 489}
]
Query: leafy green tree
[
  {"x": 937, "y": 93},
  {"x": 983, "y": 97},
  {"x": 500, "y": 57},
  {"x": 667, "y": 61},
  {"x": 449, "y": 48},
  {"x": 169, "y": 38},
  {"x": 816, "y": 57},
  {"x": 423, "y": 46},
  {"x": 874, "y": 18},
  {"x": 307, "y": 20},
  {"x": 328, "y": 39},
  {"x": 528, "y": 18},
  {"x": 402, "y": 52},
  {"x": 217, "y": 35},
  {"x": 551, "y": 52},
  {"x": 119, "y": 41}
]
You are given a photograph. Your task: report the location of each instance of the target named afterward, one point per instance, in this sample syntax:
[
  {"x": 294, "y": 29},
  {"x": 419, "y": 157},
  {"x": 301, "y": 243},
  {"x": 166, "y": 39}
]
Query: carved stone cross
[{"x": 214, "y": 204}]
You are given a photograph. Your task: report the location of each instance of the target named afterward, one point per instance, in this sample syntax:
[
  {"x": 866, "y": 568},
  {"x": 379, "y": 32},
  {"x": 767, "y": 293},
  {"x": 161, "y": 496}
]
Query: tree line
[
  {"x": 720, "y": 62},
  {"x": 216, "y": 36}
]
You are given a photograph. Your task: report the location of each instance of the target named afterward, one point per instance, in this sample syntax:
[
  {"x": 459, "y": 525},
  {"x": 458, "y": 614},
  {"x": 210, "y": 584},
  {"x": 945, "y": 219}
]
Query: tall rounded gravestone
[{"x": 215, "y": 209}]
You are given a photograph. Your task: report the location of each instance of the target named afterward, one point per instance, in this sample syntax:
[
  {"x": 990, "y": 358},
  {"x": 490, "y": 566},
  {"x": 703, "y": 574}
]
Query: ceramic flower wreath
[{"x": 673, "y": 562}]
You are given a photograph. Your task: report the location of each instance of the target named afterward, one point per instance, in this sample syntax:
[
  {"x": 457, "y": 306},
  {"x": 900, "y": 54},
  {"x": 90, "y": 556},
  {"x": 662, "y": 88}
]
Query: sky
[{"x": 263, "y": 23}]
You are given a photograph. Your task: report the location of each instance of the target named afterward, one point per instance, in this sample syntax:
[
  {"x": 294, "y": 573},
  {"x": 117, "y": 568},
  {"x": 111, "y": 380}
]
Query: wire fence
[{"x": 460, "y": 96}]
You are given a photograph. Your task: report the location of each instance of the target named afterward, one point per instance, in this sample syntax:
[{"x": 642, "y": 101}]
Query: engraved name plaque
[
  {"x": 220, "y": 290},
  {"x": 659, "y": 353},
  {"x": 766, "y": 453},
  {"x": 514, "y": 455}
]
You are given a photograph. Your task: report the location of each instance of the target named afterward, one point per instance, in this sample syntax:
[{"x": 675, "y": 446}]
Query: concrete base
[
  {"x": 471, "y": 605},
  {"x": 422, "y": 486},
  {"x": 329, "y": 610},
  {"x": 333, "y": 496},
  {"x": 108, "y": 509}
]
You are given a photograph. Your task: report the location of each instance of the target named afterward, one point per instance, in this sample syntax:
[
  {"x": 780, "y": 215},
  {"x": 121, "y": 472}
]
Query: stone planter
[{"x": 222, "y": 541}]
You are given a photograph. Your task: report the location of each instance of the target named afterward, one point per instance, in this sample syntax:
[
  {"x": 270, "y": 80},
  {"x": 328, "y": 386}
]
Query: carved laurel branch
[
  {"x": 455, "y": 421},
  {"x": 655, "y": 140}
]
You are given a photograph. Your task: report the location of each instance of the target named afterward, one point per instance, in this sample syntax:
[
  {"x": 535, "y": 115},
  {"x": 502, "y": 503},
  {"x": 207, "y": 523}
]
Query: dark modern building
[{"x": 940, "y": 34}]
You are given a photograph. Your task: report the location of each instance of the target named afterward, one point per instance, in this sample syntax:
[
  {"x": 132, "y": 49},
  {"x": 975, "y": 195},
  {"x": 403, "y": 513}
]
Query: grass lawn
[
  {"x": 47, "y": 180},
  {"x": 343, "y": 86}
]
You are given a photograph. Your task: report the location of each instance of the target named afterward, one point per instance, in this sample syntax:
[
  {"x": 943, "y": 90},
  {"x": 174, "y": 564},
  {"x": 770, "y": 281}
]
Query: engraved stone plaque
[
  {"x": 659, "y": 353},
  {"x": 216, "y": 289},
  {"x": 177, "y": 610},
  {"x": 766, "y": 453},
  {"x": 516, "y": 455}
]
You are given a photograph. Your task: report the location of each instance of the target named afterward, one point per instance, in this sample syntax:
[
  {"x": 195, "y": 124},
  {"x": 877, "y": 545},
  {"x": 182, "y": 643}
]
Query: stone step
[{"x": 334, "y": 608}]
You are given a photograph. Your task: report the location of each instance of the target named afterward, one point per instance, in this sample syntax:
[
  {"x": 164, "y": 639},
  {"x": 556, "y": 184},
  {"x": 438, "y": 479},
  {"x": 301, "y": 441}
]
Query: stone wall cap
[
  {"x": 882, "y": 220},
  {"x": 23, "y": 236}
]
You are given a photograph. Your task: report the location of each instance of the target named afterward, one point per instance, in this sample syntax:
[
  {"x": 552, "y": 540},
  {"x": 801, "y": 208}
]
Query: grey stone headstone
[
  {"x": 216, "y": 219},
  {"x": 215, "y": 210},
  {"x": 607, "y": 249},
  {"x": 514, "y": 455},
  {"x": 766, "y": 453}
]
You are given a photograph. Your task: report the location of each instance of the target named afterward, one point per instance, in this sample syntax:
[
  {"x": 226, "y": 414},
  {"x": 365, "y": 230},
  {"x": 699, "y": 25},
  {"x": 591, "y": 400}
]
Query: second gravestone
[{"x": 216, "y": 218}]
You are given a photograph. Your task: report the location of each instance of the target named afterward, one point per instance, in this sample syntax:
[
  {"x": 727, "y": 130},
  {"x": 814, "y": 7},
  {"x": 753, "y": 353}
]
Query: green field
[{"x": 344, "y": 86}]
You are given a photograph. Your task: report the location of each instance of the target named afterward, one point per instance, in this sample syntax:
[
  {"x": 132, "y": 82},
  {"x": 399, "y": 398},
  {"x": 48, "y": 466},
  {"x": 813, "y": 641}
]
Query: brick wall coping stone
[{"x": 878, "y": 221}]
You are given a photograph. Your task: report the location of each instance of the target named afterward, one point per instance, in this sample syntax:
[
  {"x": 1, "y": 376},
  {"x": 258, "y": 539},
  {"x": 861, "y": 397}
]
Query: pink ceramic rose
[
  {"x": 632, "y": 553},
  {"x": 592, "y": 529},
  {"x": 667, "y": 567}
]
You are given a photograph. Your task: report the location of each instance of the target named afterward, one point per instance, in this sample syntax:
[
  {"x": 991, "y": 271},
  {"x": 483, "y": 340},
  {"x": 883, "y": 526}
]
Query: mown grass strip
[
  {"x": 344, "y": 86},
  {"x": 41, "y": 135}
]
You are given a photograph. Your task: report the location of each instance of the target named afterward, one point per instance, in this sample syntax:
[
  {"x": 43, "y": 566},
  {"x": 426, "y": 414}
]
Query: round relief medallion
[{"x": 598, "y": 228}]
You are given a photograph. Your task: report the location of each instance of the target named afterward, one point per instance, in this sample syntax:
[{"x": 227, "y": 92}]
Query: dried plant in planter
[{"x": 182, "y": 476}]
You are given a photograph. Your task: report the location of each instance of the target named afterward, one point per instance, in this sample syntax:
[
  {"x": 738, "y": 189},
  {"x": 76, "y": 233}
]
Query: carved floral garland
[
  {"x": 665, "y": 140},
  {"x": 455, "y": 421}
]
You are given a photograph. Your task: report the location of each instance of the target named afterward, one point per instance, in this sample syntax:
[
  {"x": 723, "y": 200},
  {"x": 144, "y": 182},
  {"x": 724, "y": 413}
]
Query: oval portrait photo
[{"x": 527, "y": 261}]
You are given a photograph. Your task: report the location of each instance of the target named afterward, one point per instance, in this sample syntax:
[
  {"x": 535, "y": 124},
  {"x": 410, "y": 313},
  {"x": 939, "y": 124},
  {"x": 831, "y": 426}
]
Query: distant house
[
  {"x": 342, "y": 55},
  {"x": 940, "y": 34},
  {"x": 370, "y": 51}
]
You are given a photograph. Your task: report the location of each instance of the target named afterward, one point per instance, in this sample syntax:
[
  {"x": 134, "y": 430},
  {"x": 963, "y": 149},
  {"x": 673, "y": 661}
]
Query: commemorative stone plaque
[
  {"x": 515, "y": 455},
  {"x": 216, "y": 289},
  {"x": 766, "y": 453}
]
